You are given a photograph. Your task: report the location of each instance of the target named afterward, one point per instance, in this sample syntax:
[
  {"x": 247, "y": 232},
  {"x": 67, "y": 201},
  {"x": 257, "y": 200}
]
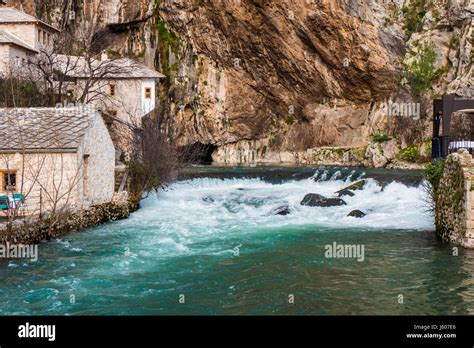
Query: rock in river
[
  {"x": 315, "y": 200},
  {"x": 358, "y": 185},
  {"x": 345, "y": 192},
  {"x": 283, "y": 210},
  {"x": 356, "y": 214}
]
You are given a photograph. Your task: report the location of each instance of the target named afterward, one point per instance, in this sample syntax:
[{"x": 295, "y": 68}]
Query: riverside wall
[
  {"x": 454, "y": 200},
  {"x": 38, "y": 230}
]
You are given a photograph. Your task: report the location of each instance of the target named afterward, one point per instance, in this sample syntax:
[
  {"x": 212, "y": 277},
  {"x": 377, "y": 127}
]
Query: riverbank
[{"x": 35, "y": 230}]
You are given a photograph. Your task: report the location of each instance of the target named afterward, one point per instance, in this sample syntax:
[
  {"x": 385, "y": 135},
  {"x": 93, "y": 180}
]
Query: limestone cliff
[{"x": 290, "y": 80}]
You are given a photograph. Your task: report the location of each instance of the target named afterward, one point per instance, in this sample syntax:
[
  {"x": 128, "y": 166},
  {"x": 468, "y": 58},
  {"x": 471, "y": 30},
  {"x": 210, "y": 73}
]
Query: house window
[
  {"x": 112, "y": 89},
  {"x": 70, "y": 93},
  {"x": 39, "y": 35},
  {"x": 110, "y": 116},
  {"x": 8, "y": 181},
  {"x": 86, "y": 176},
  {"x": 148, "y": 93}
]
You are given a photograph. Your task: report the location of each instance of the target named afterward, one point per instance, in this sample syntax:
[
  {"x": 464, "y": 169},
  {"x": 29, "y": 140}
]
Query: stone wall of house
[
  {"x": 127, "y": 100},
  {"x": 455, "y": 200},
  {"x": 4, "y": 59},
  {"x": 98, "y": 178},
  {"x": 46, "y": 179},
  {"x": 62, "y": 180},
  {"x": 126, "y": 104},
  {"x": 26, "y": 32},
  {"x": 47, "y": 228},
  {"x": 13, "y": 60}
]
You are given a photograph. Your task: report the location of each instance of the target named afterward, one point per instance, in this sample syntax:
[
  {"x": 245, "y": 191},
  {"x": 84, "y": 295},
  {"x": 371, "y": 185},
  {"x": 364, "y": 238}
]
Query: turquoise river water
[{"x": 209, "y": 245}]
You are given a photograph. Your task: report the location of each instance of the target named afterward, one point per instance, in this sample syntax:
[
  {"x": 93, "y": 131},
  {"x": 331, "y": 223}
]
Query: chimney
[{"x": 103, "y": 55}]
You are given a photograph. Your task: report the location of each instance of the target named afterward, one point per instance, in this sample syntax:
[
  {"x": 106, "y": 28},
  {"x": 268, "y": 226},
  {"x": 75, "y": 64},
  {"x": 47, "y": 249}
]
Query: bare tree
[{"x": 154, "y": 159}]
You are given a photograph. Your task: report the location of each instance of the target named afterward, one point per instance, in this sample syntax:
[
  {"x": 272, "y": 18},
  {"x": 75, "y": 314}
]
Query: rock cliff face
[{"x": 275, "y": 80}]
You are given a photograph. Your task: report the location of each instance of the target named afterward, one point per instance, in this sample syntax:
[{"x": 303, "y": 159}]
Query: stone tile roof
[
  {"x": 133, "y": 69},
  {"x": 9, "y": 38},
  {"x": 43, "y": 129},
  {"x": 123, "y": 68},
  {"x": 12, "y": 15}
]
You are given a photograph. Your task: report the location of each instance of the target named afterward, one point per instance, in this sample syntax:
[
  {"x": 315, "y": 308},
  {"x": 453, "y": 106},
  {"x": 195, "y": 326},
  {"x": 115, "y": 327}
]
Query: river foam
[{"x": 200, "y": 209}]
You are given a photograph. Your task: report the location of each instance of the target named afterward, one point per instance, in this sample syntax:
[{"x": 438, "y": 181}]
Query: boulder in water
[
  {"x": 315, "y": 200},
  {"x": 358, "y": 185},
  {"x": 356, "y": 214},
  {"x": 283, "y": 210},
  {"x": 345, "y": 192},
  {"x": 208, "y": 199}
]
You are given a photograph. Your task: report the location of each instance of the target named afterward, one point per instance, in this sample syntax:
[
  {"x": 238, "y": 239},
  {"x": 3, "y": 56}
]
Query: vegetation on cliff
[{"x": 420, "y": 72}]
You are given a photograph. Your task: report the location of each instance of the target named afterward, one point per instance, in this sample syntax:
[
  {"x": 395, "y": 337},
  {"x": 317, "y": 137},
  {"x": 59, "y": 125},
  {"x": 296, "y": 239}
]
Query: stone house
[
  {"x": 126, "y": 88},
  {"x": 21, "y": 37},
  {"x": 57, "y": 158},
  {"x": 125, "y": 91}
]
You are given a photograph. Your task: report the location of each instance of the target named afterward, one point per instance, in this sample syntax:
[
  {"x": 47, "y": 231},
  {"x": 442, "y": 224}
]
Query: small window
[
  {"x": 70, "y": 93},
  {"x": 112, "y": 89},
  {"x": 39, "y": 35},
  {"x": 86, "y": 176},
  {"x": 148, "y": 93},
  {"x": 110, "y": 116},
  {"x": 9, "y": 181}
]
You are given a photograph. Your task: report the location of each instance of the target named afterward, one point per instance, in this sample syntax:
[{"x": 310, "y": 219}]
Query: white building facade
[{"x": 21, "y": 37}]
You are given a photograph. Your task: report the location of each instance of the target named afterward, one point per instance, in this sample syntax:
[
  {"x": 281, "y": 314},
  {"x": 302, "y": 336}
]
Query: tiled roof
[
  {"x": 6, "y": 37},
  {"x": 133, "y": 69},
  {"x": 43, "y": 129},
  {"x": 123, "y": 68},
  {"x": 12, "y": 15}
]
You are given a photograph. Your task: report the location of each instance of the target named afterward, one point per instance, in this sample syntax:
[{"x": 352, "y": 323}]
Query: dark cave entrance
[{"x": 198, "y": 153}]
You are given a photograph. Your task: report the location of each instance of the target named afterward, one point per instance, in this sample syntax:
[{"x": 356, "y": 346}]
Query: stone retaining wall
[
  {"x": 455, "y": 200},
  {"x": 53, "y": 227}
]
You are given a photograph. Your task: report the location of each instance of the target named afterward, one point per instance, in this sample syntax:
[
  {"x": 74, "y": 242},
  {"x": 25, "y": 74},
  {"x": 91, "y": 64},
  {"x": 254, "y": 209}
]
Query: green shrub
[
  {"x": 421, "y": 72},
  {"x": 167, "y": 41},
  {"x": 433, "y": 172},
  {"x": 409, "y": 154},
  {"x": 289, "y": 120},
  {"x": 380, "y": 137},
  {"x": 414, "y": 14},
  {"x": 428, "y": 148},
  {"x": 114, "y": 54}
]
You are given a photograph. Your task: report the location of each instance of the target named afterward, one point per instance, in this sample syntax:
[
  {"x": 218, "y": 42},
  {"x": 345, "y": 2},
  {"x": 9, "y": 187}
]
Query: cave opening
[{"x": 198, "y": 153}]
